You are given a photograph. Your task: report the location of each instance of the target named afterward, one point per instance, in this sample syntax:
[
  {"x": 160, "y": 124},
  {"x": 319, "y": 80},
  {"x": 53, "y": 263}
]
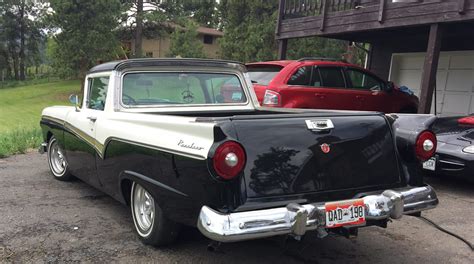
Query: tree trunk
[
  {"x": 139, "y": 29},
  {"x": 22, "y": 40}
]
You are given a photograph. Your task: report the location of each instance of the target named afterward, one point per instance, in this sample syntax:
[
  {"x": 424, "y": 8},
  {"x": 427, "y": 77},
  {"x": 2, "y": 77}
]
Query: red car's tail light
[
  {"x": 271, "y": 98},
  {"x": 229, "y": 159},
  {"x": 425, "y": 146},
  {"x": 468, "y": 120}
]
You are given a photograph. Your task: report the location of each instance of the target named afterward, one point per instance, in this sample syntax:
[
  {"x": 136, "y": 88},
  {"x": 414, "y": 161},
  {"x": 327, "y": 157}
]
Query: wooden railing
[{"x": 297, "y": 8}]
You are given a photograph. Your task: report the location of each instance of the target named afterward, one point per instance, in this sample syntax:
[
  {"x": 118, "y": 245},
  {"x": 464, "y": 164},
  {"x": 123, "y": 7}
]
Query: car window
[
  {"x": 263, "y": 75},
  {"x": 165, "y": 88},
  {"x": 363, "y": 81},
  {"x": 97, "y": 92},
  {"x": 332, "y": 77},
  {"x": 302, "y": 76}
]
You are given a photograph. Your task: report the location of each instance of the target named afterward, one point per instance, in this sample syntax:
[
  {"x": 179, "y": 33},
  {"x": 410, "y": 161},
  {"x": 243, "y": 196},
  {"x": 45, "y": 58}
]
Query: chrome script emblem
[
  {"x": 325, "y": 148},
  {"x": 319, "y": 124}
]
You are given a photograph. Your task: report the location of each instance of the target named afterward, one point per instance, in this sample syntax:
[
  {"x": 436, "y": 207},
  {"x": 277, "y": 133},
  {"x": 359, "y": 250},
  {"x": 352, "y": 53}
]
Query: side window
[
  {"x": 302, "y": 76},
  {"x": 332, "y": 77},
  {"x": 97, "y": 92},
  {"x": 364, "y": 81}
]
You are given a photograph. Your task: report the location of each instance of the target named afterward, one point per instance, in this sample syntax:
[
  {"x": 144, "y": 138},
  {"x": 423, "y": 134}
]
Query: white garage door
[{"x": 454, "y": 80}]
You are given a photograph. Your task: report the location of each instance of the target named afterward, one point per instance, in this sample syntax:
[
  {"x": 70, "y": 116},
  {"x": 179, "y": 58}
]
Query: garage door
[{"x": 454, "y": 80}]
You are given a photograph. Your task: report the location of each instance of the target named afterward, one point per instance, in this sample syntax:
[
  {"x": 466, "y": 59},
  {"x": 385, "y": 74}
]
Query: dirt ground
[{"x": 44, "y": 220}]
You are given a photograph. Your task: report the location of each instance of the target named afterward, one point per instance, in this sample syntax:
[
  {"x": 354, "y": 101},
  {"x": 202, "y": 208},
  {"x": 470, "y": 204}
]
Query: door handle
[
  {"x": 318, "y": 95},
  {"x": 92, "y": 118},
  {"x": 358, "y": 97}
]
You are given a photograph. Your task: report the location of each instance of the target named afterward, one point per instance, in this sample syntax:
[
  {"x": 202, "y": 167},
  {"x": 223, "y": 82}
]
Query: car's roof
[
  {"x": 284, "y": 63},
  {"x": 151, "y": 62}
]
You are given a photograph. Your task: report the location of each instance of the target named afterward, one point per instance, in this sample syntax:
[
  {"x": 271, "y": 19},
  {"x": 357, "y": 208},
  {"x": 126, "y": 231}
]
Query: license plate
[
  {"x": 350, "y": 212},
  {"x": 430, "y": 164}
]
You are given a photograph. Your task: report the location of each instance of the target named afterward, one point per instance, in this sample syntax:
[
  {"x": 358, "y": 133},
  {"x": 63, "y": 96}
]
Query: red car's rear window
[{"x": 263, "y": 74}]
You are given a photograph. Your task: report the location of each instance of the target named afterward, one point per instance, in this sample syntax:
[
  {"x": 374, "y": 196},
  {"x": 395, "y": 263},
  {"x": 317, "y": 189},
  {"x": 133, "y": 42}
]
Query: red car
[{"x": 326, "y": 84}]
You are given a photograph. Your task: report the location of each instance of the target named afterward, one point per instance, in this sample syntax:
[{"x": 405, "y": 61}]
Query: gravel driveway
[{"x": 44, "y": 220}]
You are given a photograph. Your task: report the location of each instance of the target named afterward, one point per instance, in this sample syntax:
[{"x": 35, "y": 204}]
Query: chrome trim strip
[
  {"x": 180, "y": 70},
  {"x": 296, "y": 219},
  {"x": 452, "y": 163},
  {"x": 157, "y": 183},
  {"x": 171, "y": 151},
  {"x": 54, "y": 119}
]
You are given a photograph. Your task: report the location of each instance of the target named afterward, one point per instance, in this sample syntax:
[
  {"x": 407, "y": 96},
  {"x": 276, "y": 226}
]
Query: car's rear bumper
[{"x": 296, "y": 219}]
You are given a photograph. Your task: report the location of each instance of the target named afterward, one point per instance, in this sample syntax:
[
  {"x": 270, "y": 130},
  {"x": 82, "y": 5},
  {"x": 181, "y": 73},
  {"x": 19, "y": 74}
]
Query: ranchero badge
[{"x": 325, "y": 148}]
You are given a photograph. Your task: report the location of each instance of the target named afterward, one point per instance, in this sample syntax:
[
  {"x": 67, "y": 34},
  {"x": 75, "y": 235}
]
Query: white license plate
[
  {"x": 350, "y": 212},
  {"x": 430, "y": 164}
]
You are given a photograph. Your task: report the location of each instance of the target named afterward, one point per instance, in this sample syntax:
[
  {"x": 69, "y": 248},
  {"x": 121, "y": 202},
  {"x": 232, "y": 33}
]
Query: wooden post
[
  {"x": 461, "y": 6},
  {"x": 381, "y": 11},
  {"x": 282, "y": 44},
  {"x": 323, "y": 14},
  {"x": 428, "y": 80}
]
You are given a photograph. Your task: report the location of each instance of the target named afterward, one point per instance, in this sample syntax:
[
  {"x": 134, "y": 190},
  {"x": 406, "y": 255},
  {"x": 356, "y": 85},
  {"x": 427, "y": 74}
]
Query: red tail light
[
  {"x": 425, "y": 145},
  {"x": 468, "y": 120},
  {"x": 271, "y": 98},
  {"x": 229, "y": 159}
]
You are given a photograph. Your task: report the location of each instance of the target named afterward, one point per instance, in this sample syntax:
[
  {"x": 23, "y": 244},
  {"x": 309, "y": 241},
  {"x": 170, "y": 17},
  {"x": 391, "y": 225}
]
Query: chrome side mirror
[{"x": 74, "y": 99}]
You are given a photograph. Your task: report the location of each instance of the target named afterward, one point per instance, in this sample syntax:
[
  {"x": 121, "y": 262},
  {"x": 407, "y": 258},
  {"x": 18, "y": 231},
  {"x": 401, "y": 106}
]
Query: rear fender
[{"x": 406, "y": 128}]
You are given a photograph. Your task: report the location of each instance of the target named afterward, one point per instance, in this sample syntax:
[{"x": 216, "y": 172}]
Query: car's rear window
[
  {"x": 263, "y": 75},
  {"x": 178, "y": 88}
]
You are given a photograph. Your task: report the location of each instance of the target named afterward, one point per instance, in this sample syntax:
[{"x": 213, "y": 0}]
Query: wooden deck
[{"x": 330, "y": 18}]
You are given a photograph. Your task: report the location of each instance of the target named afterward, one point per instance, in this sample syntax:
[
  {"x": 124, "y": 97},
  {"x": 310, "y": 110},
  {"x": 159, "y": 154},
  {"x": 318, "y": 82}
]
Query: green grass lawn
[{"x": 20, "y": 112}]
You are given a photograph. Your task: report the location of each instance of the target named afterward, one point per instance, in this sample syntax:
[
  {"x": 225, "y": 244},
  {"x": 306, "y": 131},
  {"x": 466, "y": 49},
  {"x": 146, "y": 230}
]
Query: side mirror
[
  {"x": 74, "y": 99},
  {"x": 390, "y": 86}
]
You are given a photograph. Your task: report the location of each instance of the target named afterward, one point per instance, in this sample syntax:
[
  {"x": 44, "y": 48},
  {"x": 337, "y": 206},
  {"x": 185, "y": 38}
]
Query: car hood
[{"x": 449, "y": 131}]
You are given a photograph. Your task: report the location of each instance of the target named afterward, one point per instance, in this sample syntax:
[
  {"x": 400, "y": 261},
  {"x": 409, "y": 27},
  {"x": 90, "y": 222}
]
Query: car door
[
  {"x": 369, "y": 90},
  {"x": 81, "y": 146},
  {"x": 331, "y": 89}
]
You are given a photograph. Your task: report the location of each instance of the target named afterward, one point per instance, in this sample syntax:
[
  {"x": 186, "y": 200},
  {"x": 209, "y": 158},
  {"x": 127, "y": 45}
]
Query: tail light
[
  {"x": 229, "y": 159},
  {"x": 271, "y": 98},
  {"x": 468, "y": 120},
  {"x": 425, "y": 145}
]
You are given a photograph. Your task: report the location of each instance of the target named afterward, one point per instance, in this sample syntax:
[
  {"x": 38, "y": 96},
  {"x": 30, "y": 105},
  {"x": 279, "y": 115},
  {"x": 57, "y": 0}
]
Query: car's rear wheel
[
  {"x": 150, "y": 223},
  {"x": 57, "y": 161}
]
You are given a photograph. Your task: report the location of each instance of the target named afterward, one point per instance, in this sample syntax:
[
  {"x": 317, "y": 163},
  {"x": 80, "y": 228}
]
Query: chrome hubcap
[
  {"x": 144, "y": 209},
  {"x": 58, "y": 161}
]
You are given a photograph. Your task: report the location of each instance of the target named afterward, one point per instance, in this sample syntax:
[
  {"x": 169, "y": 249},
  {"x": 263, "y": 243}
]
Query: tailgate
[{"x": 284, "y": 156}]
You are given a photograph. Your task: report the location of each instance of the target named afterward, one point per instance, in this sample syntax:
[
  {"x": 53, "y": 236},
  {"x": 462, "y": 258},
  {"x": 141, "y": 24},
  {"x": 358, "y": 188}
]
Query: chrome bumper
[
  {"x": 296, "y": 219},
  {"x": 43, "y": 148}
]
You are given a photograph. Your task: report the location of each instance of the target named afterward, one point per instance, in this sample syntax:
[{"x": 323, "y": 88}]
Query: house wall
[{"x": 160, "y": 47}]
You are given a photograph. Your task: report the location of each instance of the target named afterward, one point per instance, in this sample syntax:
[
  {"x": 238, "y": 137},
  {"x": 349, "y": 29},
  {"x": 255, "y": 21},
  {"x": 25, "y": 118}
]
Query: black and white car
[{"x": 183, "y": 141}]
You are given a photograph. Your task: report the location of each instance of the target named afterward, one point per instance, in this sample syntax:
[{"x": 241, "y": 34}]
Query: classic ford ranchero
[{"x": 183, "y": 141}]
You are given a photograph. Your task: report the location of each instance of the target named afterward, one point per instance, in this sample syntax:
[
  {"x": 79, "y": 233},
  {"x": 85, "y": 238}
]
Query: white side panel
[
  {"x": 175, "y": 134},
  {"x": 57, "y": 112}
]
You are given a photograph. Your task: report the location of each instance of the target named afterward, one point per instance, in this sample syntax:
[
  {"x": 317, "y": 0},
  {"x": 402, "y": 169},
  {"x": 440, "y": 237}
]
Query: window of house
[
  {"x": 332, "y": 77},
  {"x": 97, "y": 92},
  {"x": 364, "y": 81},
  {"x": 302, "y": 76},
  {"x": 208, "y": 39}
]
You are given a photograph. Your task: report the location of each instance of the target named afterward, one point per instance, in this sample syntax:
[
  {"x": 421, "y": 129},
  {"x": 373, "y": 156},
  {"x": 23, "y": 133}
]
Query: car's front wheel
[
  {"x": 150, "y": 223},
  {"x": 57, "y": 161}
]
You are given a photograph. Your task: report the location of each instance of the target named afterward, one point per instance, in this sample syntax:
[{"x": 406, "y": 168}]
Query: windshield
[
  {"x": 263, "y": 75},
  {"x": 165, "y": 88}
]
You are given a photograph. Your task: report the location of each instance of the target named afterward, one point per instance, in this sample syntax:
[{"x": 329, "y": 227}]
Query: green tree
[
  {"x": 184, "y": 42},
  {"x": 86, "y": 34},
  {"x": 249, "y": 28}
]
